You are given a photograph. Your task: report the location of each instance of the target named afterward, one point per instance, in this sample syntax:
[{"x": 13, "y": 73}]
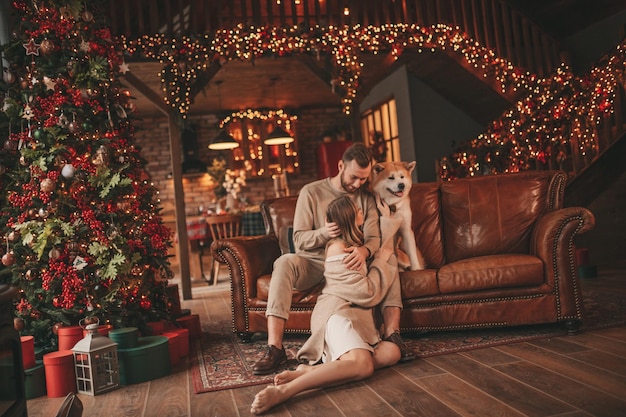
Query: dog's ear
[
  {"x": 378, "y": 168},
  {"x": 410, "y": 166}
]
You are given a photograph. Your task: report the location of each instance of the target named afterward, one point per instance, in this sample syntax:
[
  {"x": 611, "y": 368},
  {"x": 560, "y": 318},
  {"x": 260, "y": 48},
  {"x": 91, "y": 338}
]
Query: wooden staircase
[{"x": 598, "y": 176}]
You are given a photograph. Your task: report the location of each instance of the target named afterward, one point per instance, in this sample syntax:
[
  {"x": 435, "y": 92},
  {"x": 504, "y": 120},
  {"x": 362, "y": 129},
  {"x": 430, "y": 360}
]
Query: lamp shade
[
  {"x": 278, "y": 136},
  {"x": 223, "y": 141}
]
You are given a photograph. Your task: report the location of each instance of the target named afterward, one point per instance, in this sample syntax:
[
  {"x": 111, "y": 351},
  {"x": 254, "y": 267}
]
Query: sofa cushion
[
  {"x": 492, "y": 214},
  {"x": 419, "y": 283},
  {"x": 490, "y": 272}
]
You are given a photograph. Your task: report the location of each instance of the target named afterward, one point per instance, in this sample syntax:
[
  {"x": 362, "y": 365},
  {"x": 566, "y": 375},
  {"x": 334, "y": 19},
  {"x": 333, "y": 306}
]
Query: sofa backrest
[
  {"x": 460, "y": 219},
  {"x": 426, "y": 224},
  {"x": 278, "y": 216},
  {"x": 494, "y": 214}
]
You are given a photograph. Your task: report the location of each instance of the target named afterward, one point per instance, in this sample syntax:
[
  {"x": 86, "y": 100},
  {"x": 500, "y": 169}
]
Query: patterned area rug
[{"x": 220, "y": 361}]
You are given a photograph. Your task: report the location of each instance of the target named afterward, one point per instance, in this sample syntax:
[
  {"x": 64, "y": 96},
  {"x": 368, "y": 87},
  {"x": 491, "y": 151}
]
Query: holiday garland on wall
[
  {"x": 80, "y": 225},
  {"x": 185, "y": 58},
  {"x": 538, "y": 129}
]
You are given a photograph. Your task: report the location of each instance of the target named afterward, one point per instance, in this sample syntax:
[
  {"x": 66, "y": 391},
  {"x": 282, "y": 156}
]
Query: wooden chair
[{"x": 222, "y": 227}]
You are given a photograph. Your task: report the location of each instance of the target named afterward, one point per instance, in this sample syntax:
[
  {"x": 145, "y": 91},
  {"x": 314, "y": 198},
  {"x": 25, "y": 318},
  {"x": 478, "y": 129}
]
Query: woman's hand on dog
[{"x": 383, "y": 208}]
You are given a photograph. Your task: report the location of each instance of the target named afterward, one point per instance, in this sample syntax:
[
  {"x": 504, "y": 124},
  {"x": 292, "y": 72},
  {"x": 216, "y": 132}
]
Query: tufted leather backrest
[
  {"x": 426, "y": 224},
  {"x": 278, "y": 216},
  {"x": 495, "y": 214}
]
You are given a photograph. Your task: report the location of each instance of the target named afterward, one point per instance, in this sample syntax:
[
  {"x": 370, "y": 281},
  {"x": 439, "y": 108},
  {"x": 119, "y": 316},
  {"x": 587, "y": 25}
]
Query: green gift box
[
  {"x": 149, "y": 360},
  {"x": 35, "y": 381}
]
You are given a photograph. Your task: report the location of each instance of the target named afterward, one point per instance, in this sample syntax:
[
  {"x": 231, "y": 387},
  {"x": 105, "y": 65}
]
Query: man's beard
[{"x": 347, "y": 187}]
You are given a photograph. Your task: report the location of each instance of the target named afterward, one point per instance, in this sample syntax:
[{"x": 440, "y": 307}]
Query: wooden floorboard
[
  {"x": 570, "y": 376},
  {"x": 510, "y": 391}
]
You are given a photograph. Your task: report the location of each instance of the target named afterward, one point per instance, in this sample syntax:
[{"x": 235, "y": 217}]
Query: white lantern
[{"x": 95, "y": 360}]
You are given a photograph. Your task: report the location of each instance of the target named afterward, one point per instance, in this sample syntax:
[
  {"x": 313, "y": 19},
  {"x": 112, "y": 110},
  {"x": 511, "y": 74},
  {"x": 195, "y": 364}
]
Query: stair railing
[{"x": 493, "y": 23}]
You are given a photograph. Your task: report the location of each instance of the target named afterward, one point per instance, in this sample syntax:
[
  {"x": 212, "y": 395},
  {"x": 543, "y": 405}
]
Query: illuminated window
[{"x": 379, "y": 127}]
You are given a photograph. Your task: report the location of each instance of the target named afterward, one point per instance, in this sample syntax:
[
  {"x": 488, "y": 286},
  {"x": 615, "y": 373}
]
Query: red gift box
[{"x": 28, "y": 352}]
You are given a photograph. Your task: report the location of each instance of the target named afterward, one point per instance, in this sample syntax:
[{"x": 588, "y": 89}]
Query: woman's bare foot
[
  {"x": 288, "y": 376},
  {"x": 268, "y": 398}
]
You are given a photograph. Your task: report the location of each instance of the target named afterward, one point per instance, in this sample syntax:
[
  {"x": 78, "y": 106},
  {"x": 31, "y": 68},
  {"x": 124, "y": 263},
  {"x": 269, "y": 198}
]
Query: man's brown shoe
[
  {"x": 406, "y": 354},
  {"x": 272, "y": 359}
]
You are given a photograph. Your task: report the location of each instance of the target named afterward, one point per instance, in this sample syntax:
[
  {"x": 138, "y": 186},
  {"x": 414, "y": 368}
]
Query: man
[{"x": 305, "y": 268}]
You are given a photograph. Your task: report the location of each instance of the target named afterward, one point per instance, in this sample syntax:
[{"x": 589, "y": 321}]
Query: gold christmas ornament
[
  {"x": 46, "y": 46},
  {"x": 8, "y": 259},
  {"x": 87, "y": 16},
  {"x": 13, "y": 236},
  {"x": 47, "y": 185},
  {"x": 54, "y": 253},
  {"x": 30, "y": 275},
  {"x": 7, "y": 76}
]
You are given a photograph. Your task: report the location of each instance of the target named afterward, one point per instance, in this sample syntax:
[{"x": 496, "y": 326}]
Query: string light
[
  {"x": 553, "y": 109},
  {"x": 184, "y": 58}
]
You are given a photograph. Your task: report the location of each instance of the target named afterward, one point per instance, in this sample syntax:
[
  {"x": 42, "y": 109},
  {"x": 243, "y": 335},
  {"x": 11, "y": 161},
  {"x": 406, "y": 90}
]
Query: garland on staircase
[{"x": 561, "y": 117}]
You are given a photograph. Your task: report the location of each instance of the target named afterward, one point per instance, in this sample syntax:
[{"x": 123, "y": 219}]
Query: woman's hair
[{"x": 343, "y": 211}]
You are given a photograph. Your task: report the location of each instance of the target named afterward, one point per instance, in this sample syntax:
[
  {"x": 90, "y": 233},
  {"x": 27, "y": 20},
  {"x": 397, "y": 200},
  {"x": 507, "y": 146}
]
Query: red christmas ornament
[{"x": 145, "y": 304}]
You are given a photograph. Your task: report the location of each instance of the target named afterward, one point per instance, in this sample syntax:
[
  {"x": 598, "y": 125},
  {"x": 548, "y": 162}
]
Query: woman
[{"x": 344, "y": 337}]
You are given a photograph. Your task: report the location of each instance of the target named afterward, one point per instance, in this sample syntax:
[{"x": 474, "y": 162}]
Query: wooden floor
[{"x": 575, "y": 376}]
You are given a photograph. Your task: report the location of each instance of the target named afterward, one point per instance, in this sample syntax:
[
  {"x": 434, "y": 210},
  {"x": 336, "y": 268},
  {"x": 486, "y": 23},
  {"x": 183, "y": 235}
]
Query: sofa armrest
[{"x": 553, "y": 241}]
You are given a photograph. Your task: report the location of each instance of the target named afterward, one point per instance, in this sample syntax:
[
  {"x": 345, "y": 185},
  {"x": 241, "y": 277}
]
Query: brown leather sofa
[{"x": 499, "y": 249}]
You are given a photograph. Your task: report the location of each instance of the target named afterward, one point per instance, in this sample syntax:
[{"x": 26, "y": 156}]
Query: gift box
[
  {"x": 157, "y": 327},
  {"x": 172, "y": 292},
  {"x": 174, "y": 346},
  {"x": 184, "y": 342},
  {"x": 60, "y": 374},
  {"x": 69, "y": 336},
  {"x": 28, "y": 351},
  {"x": 191, "y": 323},
  {"x": 35, "y": 381},
  {"x": 125, "y": 337},
  {"x": 149, "y": 360}
]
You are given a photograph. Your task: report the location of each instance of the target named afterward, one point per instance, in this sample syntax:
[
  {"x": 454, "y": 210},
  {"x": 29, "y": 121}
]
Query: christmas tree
[{"x": 79, "y": 215}]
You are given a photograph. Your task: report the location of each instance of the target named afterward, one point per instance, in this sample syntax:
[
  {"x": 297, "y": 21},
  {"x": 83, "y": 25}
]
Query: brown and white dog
[{"x": 392, "y": 181}]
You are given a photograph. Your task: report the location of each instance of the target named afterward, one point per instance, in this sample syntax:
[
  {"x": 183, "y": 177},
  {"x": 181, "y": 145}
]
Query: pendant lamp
[
  {"x": 278, "y": 136},
  {"x": 223, "y": 140}
]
